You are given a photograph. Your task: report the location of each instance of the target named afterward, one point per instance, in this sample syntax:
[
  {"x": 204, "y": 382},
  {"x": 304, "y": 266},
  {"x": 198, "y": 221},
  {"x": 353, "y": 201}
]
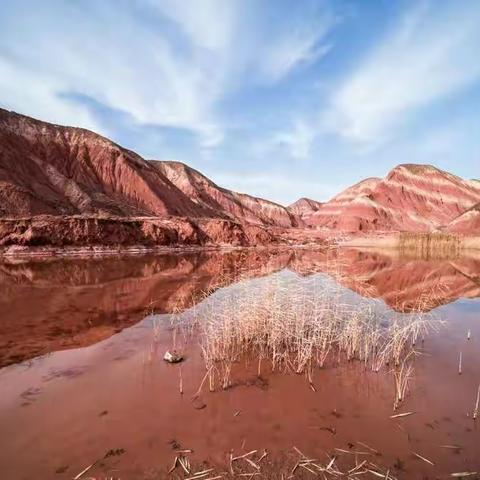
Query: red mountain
[
  {"x": 411, "y": 198},
  {"x": 211, "y": 197},
  {"x": 95, "y": 191},
  {"x": 50, "y": 169},
  {"x": 304, "y": 207},
  {"x": 69, "y": 186}
]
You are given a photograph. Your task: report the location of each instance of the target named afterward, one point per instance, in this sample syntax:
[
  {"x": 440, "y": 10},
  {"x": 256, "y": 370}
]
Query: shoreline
[
  {"x": 389, "y": 242},
  {"x": 105, "y": 251}
]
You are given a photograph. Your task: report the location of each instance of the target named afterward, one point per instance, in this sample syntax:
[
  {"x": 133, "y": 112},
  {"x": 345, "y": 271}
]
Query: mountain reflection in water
[{"x": 58, "y": 304}]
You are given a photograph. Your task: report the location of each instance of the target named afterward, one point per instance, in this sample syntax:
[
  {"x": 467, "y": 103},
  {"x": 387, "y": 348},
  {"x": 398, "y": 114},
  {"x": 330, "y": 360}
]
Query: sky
[{"x": 281, "y": 99}]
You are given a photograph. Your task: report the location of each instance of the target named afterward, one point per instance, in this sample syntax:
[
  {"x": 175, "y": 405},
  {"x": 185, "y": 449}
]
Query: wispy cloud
[
  {"x": 430, "y": 54},
  {"x": 255, "y": 91},
  {"x": 297, "y": 140},
  {"x": 164, "y": 63},
  {"x": 282, "y": 46}
]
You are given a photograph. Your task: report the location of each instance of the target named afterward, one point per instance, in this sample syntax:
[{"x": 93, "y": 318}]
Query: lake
[{"x": 293, "y": 364}]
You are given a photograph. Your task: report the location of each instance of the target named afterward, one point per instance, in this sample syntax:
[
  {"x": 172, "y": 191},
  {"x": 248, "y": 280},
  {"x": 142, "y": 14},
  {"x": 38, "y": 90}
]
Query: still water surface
[{"x": 82, "y": 378}]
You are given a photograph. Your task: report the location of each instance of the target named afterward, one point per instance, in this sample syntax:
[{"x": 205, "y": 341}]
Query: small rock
[{"x": 172, "y": 357}]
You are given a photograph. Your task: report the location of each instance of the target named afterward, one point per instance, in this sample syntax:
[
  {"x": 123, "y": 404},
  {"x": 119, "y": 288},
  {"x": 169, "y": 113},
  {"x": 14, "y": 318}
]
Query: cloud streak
[
  {"x": 431, "y": 54},
  {"x": 164, "y": 63}
]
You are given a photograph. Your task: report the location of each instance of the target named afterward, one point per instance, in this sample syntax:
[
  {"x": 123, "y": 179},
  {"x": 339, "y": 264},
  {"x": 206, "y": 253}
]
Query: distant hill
[
  {"x": 415, "y": 198},
  {"x": 304, "y": 207}
]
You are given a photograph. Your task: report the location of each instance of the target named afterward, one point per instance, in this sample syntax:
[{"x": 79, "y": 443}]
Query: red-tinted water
[{"x": 98, "y": 395}]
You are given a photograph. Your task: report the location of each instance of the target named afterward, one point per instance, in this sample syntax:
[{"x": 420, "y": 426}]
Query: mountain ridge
[{"x": 60, "y": 184}]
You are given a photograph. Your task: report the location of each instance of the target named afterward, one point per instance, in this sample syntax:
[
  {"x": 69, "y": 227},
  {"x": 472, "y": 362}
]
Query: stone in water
[{"x": 172, "y": 357}]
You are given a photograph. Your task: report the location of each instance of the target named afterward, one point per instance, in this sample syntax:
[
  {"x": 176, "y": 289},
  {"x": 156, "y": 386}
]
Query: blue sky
[{"x": 279, "y": 99}]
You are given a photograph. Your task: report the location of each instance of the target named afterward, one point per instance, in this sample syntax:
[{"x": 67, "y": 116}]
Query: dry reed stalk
[
  {"x": 211, "y": 381},
  {"x": 426, "y": 460},
  {"x": 401, "y": 415},
  {"x": 402, "y": 377},
  {"x": 200, "y": 475},
  {"x": 185, "y": 464},
  {"x": 264, "y": 454},
  {"x": 369, "y": 448},
  {"x": 85, "y": 470},
  {"x": 202, "y": 472},
  {"x": 475, "y": 411},
  {"x": 174, "y": 466},
  {"x": 252, "y": 463},
  {"x": 197, "y": 393},
  {"x": 244, "y": 455},
  {"x": 377, "y": 474},
  {"x": 358, "y": 467}
]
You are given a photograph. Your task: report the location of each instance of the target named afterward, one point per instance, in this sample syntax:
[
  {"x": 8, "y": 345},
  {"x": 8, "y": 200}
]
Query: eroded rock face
[
  {"x": 304, "y": 208},
  {"x": 69, "y": 186},
  {"x": 50, "y": 169},
  {"x": 211, "y": 197},
  {"x": 417, "y": 198},
  {"x": 61, "y": 231},
  {"x": 466, "y": 223}
]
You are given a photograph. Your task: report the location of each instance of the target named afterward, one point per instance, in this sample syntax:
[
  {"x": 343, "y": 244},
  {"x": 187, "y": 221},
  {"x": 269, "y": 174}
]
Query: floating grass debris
[
  {"x": 402, "y": 415},
  {"x": 421, "y": 457}
]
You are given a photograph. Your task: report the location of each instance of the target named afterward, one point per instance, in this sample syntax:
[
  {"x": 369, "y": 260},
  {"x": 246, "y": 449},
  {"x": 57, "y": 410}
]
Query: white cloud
[
  {"x": 39, "y": 99},
  {"x": 432, "y": 53},
  {"x": 298, "y": 140},
  {"x": 299, "y": 48},
  {"x": 165, "y": 63},
  {"x": 122, "y": 65},
  {"x": 209, "y": 23}
]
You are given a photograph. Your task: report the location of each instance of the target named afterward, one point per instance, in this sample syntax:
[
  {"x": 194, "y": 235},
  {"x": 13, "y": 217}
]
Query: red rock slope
[
  {"x": 211, "y": 197},
  {"x": 69, "y": 186},
  {"x": 411, "y": 198},
  {"x": 304, "y": 207},
  {"x": 50, "y": 169},
  {"x": 468, "y": 222}
]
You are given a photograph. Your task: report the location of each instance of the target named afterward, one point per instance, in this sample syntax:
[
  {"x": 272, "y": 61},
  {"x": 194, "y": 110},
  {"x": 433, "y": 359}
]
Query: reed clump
[
  {"x": 436, "y": 245},
  {"x": 297, "y": 324}
]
